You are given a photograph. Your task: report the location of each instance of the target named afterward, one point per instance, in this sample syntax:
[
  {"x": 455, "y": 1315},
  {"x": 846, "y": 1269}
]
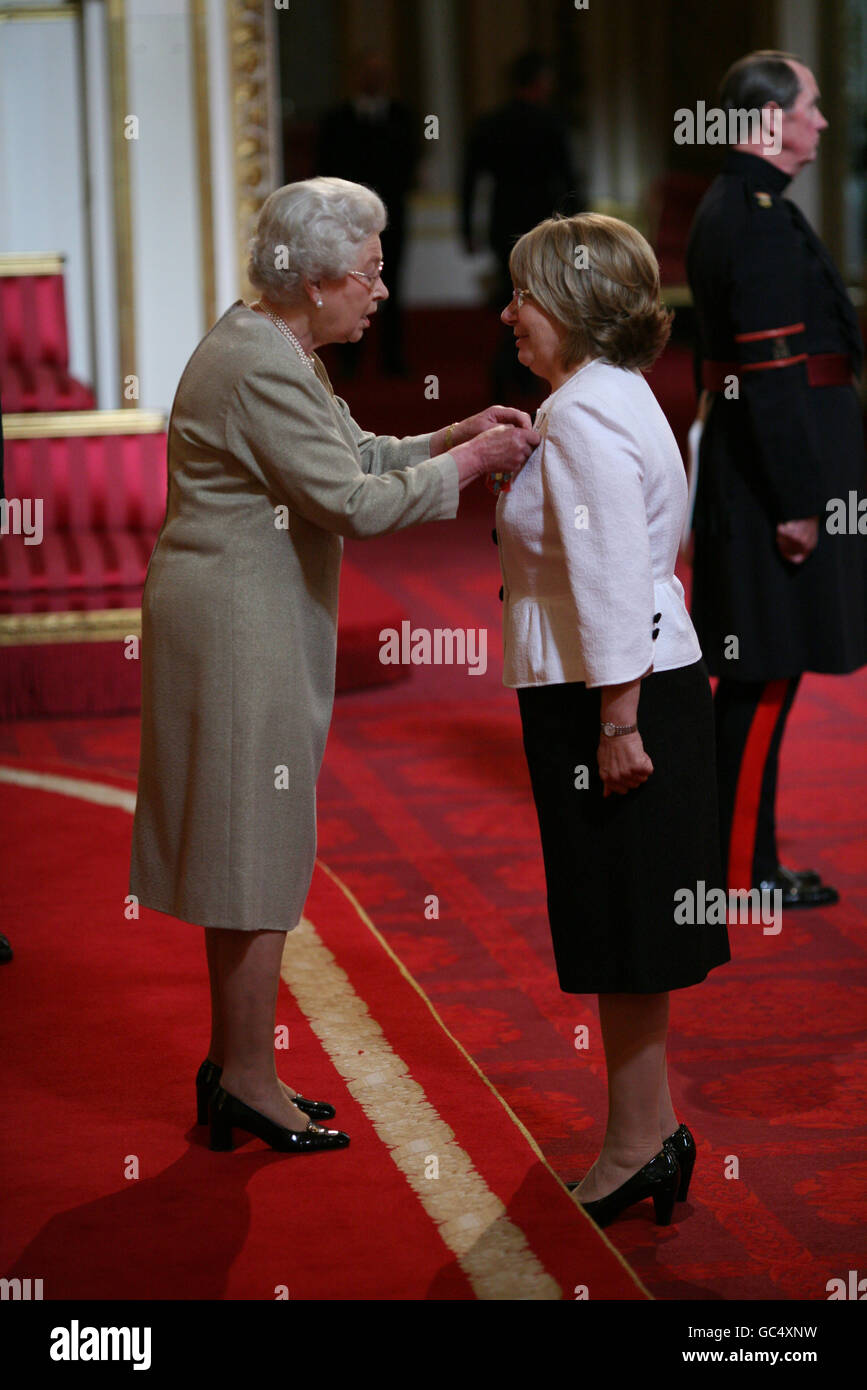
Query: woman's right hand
[
  {"x": 623, "y": 763},
  {"x": 502, "y": 449}
]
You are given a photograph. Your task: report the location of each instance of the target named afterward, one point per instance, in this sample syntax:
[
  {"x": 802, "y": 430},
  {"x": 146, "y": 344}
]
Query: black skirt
[{"x": 616, "y": 867}]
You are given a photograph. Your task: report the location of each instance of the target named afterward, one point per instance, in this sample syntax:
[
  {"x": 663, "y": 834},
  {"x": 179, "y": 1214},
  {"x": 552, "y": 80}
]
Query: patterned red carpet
[
  {"x": 425, "y": 796},
  {"x": 111, "y": 1191}
]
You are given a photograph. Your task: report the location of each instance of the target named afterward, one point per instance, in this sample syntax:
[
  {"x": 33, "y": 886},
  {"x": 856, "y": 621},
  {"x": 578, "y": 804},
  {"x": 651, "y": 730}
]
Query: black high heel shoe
[
  {"x": 683, "y": 1146},
  {"x": 228, "y": 1113},
  {"x": 659, "y": 1179},
  {"x": 208, "y": 1078}
]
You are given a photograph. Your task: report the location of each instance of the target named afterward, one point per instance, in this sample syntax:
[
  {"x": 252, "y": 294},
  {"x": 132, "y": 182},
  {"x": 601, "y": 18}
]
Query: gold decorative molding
[
  {"x": 41, "y": 12},
  {"x": 97, "y": 625},
  {"x": 62, "y": 424},
  {"x": 31, "y": 263},
  {"x": 120, "y": 161},
  {"x": 253, "y": 97},
  {"x": 199, "y": 50}
]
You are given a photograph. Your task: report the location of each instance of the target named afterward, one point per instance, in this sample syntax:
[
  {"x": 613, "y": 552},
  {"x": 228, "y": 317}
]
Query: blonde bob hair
[{"x": 599, "y": 279}]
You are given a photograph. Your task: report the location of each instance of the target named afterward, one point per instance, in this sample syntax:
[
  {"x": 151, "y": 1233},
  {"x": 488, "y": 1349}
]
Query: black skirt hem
[{"x": 644, "y": 988}]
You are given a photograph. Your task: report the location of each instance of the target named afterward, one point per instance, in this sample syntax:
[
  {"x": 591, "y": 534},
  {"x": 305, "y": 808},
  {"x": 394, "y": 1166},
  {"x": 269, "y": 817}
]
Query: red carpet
[
  {"x": 424, "y": 791},
  {"x": 111, "y": 1190}
]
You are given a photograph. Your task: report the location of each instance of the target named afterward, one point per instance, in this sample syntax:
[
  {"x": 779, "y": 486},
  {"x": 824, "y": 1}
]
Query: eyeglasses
[
  {"x": 371, "y": 278},
  {"x": 518, "y": 298}
]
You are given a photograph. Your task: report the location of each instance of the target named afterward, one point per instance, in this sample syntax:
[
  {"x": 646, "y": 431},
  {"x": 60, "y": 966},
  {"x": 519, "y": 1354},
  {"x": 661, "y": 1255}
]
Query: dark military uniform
[{"x": 780, "y": 347}]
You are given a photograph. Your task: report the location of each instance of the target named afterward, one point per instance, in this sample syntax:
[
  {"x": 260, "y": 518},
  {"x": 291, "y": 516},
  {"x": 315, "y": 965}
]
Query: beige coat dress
[{"x": 267, "y": 473}]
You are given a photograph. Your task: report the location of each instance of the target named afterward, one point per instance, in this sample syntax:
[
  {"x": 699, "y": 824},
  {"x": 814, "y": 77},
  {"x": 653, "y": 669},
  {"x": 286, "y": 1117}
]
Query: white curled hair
[{"x": 314, "y": 228}]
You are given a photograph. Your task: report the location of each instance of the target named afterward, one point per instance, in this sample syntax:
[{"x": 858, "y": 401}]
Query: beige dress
[{"x": 267, "y": 473}]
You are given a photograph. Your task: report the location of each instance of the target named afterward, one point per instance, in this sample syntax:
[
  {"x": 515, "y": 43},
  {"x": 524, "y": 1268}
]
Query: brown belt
[{"x": 823, "y": 369}]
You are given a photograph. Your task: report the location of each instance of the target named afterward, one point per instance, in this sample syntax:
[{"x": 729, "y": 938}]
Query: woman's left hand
[
  {"x": 464, "y": 430},
  {"x": 623, "y": 763}
]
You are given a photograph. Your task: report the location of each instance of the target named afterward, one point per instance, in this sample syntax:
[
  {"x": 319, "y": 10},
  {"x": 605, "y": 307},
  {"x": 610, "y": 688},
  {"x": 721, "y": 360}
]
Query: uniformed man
[{"x": 777, "y": 589}]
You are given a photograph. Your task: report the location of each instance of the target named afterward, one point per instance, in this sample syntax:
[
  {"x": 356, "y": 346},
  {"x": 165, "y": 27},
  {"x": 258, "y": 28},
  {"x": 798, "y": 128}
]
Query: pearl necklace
[{"x": 287, "y": 333}]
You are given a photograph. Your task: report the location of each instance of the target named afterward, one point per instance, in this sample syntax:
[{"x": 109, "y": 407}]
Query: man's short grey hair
[
  {"x": 311, "y": 229},
  {"x": 760, "y": 77}
]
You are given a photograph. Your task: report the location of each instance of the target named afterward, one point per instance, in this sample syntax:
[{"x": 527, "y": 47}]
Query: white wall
[{"x": 42, "y": 183}]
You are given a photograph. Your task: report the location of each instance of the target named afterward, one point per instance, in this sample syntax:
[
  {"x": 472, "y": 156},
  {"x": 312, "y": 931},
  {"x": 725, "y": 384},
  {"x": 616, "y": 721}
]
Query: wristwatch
[{"x": 615, "y": 730}]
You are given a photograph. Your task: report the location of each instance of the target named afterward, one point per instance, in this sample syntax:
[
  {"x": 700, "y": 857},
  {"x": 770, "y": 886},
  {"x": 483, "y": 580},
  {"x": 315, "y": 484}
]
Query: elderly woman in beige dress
[{"x": 267, "y": 472}]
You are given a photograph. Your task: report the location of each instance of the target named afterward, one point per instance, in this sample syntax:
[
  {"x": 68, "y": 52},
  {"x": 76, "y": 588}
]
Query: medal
[{"x": 498, "y": 482}]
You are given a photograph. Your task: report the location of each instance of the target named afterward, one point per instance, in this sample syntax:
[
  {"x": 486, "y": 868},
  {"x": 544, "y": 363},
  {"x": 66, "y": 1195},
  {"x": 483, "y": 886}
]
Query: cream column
[
  {"x": 224, "y": 239},
  {"x": 797, "y": 32}
]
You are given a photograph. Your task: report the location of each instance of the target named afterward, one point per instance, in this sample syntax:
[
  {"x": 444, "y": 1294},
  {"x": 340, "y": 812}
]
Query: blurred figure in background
[
  {"x": 524, "y": 147},
  {"x": 373, "y": 139}
]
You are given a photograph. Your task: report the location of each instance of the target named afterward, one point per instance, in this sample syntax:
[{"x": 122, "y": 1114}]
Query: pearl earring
[{"x": 319, "y": 304}]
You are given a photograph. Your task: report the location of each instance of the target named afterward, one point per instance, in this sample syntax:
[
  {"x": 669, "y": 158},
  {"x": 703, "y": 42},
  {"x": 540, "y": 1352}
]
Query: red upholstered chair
[
  {"x": 68, "y": 603},
  {"x": 101, "y": 479},
  {"x": 34, "y": 353}
]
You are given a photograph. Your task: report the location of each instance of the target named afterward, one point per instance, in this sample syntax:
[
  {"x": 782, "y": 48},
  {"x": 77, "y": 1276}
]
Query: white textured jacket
[{"x": 588, "y": 537}]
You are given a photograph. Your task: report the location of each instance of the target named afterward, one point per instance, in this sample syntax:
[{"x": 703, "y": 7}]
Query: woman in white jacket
[{"x": 613, "y": 692}]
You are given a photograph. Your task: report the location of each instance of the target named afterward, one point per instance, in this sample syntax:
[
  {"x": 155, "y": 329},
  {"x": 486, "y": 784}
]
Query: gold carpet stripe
[
  {"x": 98, "y": 792},
  {"x": 471, "y": 1219},
  {"x": 363, "y": 916}
]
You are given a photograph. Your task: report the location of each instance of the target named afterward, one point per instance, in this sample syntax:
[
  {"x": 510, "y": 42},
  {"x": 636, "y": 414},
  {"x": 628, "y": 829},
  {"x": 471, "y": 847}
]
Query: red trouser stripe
[
  {"x": 763, "y": 333},
  {"x": 742, "y": 842}
]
